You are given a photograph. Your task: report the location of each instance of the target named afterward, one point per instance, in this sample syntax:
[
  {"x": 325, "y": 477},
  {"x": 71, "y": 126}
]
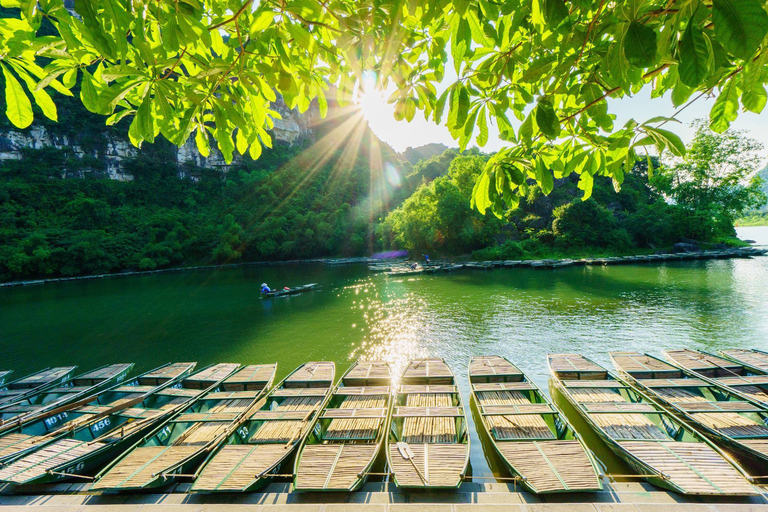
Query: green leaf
[
  {"x": 754, "y": 100},
  {"x": 726, "y": 108},
  {"x": 480, "y": 197},
  {"x": 544, "y": 177},
  {"x": 547, "y": 120},
  {"x": 640, "y": 45},
  {"x": 88, "y": 94},
  {"x": 42, "y": 99},
  {"x": 261, "y": 22},
  {"x": 18, "y": 108},
  {"x": 586, "y": 181},
  {"x": 555, "y": 11},
  {"x": 144, "y": 119},
  {"x": 482, "y": 124},
  {"x": 201, "y": 140},
  {"x": 694, "y": 56},
  {"x": 740, "y": 25},
  {"x": 667, "y": 139}
]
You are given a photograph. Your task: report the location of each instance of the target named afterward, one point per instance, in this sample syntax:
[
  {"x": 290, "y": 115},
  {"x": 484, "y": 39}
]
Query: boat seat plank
[
  {"x": 673, "y": 383},
  {"x": 593, "y": 384},
  {"x": 409, "y": 412},
  {"x": 521, "y": 426},
  {"x": 232, "y": 395},
  {"x": 362, "y": 391},
  {"x": 277, "y": 415},
  {"x": 281, "y": 431},
  {"x": 427, "y": 388},
  {"x": 46, "y": 458},
  {"x": 443, "y": 465},
  {"x": 321, "y": 392},
  {"x": 731, "y": 424},
  {"x": 181, "y": 392},
  {"x": 746, "y": 380},
  {"x": 522, "y": 409},
  {"x": 503, "y": 386},
  {"x": 595, "y": 395},
  {"x": 335, "y": 466},
  {"x": 695, "y": 467},
  {"x": 619, "y": 407},
  {"x": 236, "y": 466},
  {"x": 373, "y": 412},
  {"x": 551, "y": 466},
  {"x": 134, "y": 389},
  {"x": 748, "y": 356},
  {"x": 734, "y": 406},
  {"x": 202, "y": 416}
]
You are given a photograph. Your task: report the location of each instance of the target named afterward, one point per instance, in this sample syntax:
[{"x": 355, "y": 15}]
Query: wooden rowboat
[
  {"x": 737, "y": 377},
  {"x": 58, "y": 422},
  {"x": 83, "y": 385},
  {"x": 261, "y": 446},
  {"x": 428, "y": 442},
  {"x": 755, "y": 360},
  {"x": 27, "y": 386},
  {"x": 652, "y": 441},
  {"x": 101, "y": 430},
  {"x": 290, "y": 291},
  {"x": 178, "y": 446},
  {"x": 339, "y": 452},
  {"x": 734, "y": 422},
  {"x": 529, "y": 434}
]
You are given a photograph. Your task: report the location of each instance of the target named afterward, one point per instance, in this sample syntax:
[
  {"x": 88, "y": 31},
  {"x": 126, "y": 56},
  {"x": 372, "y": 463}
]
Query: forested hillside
[{"x": 758, "y": 216}]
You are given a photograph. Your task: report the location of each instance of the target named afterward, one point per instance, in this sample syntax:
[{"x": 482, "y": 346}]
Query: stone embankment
[{"x": 402, "y": 267}]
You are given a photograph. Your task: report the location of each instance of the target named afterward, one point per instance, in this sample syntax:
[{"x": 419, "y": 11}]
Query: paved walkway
[{"x": 378, "y": 497}]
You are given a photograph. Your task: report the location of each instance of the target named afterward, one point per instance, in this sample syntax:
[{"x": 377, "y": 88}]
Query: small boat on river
[
  {"x": 734, "y": 422},
  {"x": 260, "y": 447},
  {"x": 179, "y": 445},
  {"x": 428, "y": 442},
  {"x": 531, "y": 436},
  {"x": 340, "y": 451},
  {"x": 737, "y": 376},
  {"x": 755, "y": 360},
  {"x": 80, "y": 386},
  {"x": 27, "y": 386},
  {"x": 652, "y": 441},
  {"x": 89, "y": 436},
  {"x": 290, "y": 291}
]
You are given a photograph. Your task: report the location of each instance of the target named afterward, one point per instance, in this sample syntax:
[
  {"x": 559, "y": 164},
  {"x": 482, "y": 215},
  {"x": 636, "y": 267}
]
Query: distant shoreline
[{"x": 744, "y": 252}]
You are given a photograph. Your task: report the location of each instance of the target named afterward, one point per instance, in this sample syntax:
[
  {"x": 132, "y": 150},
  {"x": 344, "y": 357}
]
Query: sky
[{"x": 401, "y": 134}]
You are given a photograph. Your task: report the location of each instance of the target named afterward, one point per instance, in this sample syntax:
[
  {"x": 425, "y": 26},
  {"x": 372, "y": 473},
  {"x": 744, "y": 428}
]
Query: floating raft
[
  {"x": 339, "y": 452},
  {"x": 637, "y": 430},
  {"x": 530, "y": 435},
  {"x": 271, "y": 432},
  {"x": 291, "y": 291},
  {"x": 738, "y": 377},
  {"x": 34, "y": 383},
  {"x": 732, "y": 421},
  {"x": 179, "y": 445},
  {"x": 69, "y": 391},
  {"x": 428, "y": 444},
  {"x": 81, "y": 440}
]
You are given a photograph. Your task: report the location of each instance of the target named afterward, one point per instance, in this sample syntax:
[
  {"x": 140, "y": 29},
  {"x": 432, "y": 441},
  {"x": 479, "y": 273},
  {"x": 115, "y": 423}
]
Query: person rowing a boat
[{"x": 265, "y": 289}]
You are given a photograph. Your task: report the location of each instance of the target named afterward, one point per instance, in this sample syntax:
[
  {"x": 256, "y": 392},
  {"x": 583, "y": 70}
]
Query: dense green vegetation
[
  {"x": 758, "y": 216},
  {"x": 696, "y": 199}
]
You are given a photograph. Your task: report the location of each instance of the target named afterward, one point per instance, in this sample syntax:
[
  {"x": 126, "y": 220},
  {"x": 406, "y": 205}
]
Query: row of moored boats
[{"x": 697, "y": 424}]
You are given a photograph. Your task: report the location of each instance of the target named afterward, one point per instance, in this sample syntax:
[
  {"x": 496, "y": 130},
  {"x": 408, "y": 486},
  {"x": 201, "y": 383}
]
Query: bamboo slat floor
[
  {"x": 641, "y": 366},
  {"x": 273, "y": 429},
  {"x": 725, "y": 417},
  {"x": 342, "y": 447},
  {"x": 755, "y": 358},
  {"x": 493, "y": 369},
  {"x": 430, "y": 425},
  {"x": 532, "y": 437},
  {"x": 198, "y": 429},
  {"x": 574, "y": 366},
  {"x": 656, "y": 443},
  {"x": 165, "y": 373},
  {"x": 703, "y": 364},
  {"x": 29, "y": 385}
]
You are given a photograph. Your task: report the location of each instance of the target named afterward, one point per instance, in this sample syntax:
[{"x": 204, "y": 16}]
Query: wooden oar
[{"x": 406, "y": 453}]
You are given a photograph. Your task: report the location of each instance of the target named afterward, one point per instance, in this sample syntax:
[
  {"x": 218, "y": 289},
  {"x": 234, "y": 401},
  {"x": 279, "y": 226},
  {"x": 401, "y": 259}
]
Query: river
[{"x": 217, "y": 316}]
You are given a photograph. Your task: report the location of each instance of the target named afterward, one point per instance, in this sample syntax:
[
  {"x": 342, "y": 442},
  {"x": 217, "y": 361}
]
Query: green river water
[{"x": 216, "y": 316}]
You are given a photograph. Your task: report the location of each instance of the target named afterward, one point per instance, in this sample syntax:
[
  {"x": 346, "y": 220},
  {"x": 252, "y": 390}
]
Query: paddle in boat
[
  {"x": 531, "y": 436},
  {"x": 263, "y": 444},
  {"x": 32, "y": 384},
  {"x": 340, "y": 450},
  {"x": 428, "y": 442},
  {"x": 653, "y": 442},
  {"x": 736, "y": 376},
  {"x": 178, "y": 446},
  {"x": 89, "y": 436},
  {"x": 80, "y": 386},
  {"x": 734, "y": 422}
]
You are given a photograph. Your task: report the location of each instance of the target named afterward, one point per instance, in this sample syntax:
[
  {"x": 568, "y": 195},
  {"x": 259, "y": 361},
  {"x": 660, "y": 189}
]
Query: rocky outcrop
[{"x": 109, "y": 156}]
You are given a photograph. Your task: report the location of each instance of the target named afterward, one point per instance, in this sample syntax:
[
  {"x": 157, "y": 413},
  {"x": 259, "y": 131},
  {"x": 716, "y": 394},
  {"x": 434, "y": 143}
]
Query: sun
[{"x": 370, "y": 98}]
